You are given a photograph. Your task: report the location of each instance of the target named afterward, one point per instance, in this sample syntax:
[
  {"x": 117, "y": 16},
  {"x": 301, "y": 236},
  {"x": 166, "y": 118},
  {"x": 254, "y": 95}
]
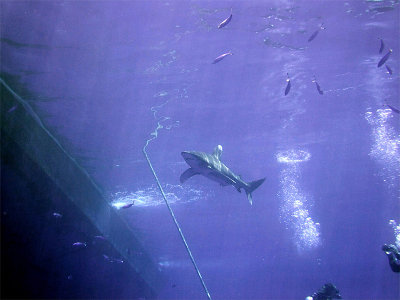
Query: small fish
[
  {"x": 100, "y": 237},
  {"x": 382, "y": 46},
  {"x": 226, "y": 21},
  {"x": 57, "y": 215},
  {"x": 127, "y": 205},
  {"x": 79, "y": 245},
  {"x": 385, "y": 58},
  {"x": 106, "y": 257},
  {"x": 69, "y": 277},
  {"x": 12, "y": 109},
  {"x": 221, "y": 57},
  {"x": 389, "y": 70},
  {"x": 393, "y": 109},
  {"x": 314, "y": 35},
  {"x": 113, "y": 260},
  {"x": 321, "y": 92},
  {"x": 288, "y": 86}
]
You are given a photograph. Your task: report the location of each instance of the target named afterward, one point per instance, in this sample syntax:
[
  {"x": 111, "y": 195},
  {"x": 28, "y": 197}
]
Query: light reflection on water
[
  {"x": 151, "y": 197},
  {"x": 294, "y": 209},
  {"x": 396, "y": 229},
  {"x": 385, "y": 149}
]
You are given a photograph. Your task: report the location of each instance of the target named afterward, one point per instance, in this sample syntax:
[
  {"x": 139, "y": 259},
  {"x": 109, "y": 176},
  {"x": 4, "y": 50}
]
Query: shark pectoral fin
[
  {"x": 249, "y": 197},
  {"x": 187, "y": 174}
]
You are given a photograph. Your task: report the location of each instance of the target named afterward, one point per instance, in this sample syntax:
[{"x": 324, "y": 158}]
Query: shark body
[{"x": 210, "y": 166}]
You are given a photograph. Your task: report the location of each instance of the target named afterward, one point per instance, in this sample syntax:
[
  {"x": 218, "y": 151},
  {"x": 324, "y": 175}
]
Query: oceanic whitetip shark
[{"x": 210, "y": 166}]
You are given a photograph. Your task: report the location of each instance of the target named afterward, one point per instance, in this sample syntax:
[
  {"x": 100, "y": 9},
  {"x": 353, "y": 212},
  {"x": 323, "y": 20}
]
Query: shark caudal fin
[{"x": 252, "y": 186}]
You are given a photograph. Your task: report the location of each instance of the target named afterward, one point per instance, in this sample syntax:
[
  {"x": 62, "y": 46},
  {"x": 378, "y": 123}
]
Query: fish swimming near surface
[
  {"x": 394, "y": 109},
  {"x": 221, "y": 57},
  {"x": 389, "y": 70},
  {"x": 57, "y": 215},
  {"x": 79, "y": 245},
  {"x": 112, "y": 259},
  {"x": 288, "y": 85},
  {"x": 210, "y": 166},
  {"x": 314, "y": 35},
  {"x": 384, "y": 58},
  {"x": 12, "y": 109},
  {"x": 127, "y": 205},
  {"x": 226, "y": 21},
  {"x": 320, "y": 91},
  {"x": 382, "y": 46}
]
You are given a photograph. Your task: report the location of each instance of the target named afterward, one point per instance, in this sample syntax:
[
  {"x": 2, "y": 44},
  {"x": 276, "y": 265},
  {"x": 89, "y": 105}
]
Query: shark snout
[
  {"x": 188, "y": 155},
  {"x": 193, "y": 159}
]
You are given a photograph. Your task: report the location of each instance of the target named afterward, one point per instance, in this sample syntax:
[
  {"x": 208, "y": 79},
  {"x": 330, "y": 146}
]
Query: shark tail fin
[{"x": 252, "y": 186}]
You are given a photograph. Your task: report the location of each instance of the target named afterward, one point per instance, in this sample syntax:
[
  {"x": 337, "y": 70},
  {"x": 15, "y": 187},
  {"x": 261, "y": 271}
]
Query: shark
[{"x": 210, "y": 166}]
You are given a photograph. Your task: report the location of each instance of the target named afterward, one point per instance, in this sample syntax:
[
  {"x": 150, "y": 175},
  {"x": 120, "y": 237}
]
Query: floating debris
[
  {"x": 221, "y": 57},
  {"x": 288, "y": 86},
  {"x": 385, "y": 58},
  {"x": 226, "y": 21}
]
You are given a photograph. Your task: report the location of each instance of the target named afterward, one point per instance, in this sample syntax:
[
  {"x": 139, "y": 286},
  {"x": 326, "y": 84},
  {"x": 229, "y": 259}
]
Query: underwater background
[{"x": 106, "y": 78}]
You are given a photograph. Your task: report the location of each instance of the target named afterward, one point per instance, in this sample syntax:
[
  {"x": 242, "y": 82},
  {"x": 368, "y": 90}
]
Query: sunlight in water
[
  {"x": 396, "y": 229},
  {"x": 151, "y": 196},
  {"x": 294, "y": 211},
  {"x": 293, "y": 156},
  {"x": 386, "y": 145}
]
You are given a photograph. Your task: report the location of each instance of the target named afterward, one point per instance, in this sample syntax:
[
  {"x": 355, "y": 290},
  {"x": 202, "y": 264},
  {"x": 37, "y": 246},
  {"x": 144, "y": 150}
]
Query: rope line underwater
[{"x": 176, "y": 222}]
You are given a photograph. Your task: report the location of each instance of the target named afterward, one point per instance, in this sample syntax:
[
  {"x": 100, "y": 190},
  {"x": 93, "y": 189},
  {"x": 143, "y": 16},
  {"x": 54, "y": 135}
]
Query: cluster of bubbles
[
  {"x": 294, "y": 212},
  {"x": 151, "y": 196},
  {"x": 386, "y": 145},
  {"x": 396, "y": 229},
  {"x": 293, "y": 156}
]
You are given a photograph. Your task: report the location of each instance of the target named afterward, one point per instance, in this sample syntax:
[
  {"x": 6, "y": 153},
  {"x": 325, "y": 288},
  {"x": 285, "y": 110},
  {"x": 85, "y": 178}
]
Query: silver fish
[
  {"x": 288, "y": 86},
  {"x": 226, "y": 21},
  {"x": 382, "y": 47},
  {"x": 314, "y": 35},
  {"x": 221, "y": 57},
  {"x": 389, "y": 70},
  {"x": 385, "y": 58},
  {"x": 320, "y": 91},
  {"x": 79, "y": 245},
  {"x": 12, "y": 109},
  {"x": 57, "y": 215}
]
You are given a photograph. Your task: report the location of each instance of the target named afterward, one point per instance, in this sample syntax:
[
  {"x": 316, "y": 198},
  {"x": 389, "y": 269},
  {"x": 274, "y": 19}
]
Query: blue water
[{"x": 108, "y": 76}]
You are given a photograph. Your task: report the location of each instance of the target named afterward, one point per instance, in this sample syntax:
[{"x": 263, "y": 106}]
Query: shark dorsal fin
[{"x": 218, "y": 151}]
